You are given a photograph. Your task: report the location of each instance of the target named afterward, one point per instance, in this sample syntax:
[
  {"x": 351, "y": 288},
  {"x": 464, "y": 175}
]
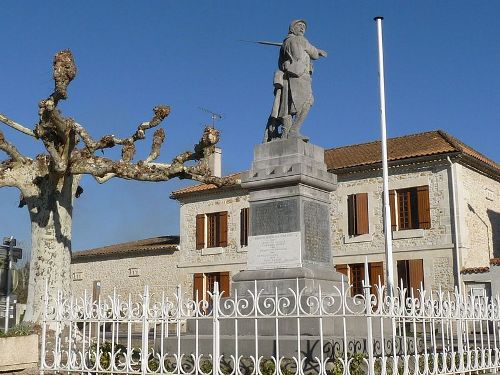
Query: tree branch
[
  {"x": 158, "y": 139},
  {"x": 19, "y": 175},
  {"x": 15, "y": 125},
  {"x": 104, "y": 169},
  {"x": 109, "y": 141},
  {"x": 10, "y": 149}
]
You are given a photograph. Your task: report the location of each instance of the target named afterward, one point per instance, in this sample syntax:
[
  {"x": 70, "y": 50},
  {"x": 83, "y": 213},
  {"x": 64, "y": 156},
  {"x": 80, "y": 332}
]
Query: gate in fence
[{"x": 303, "y": 332}]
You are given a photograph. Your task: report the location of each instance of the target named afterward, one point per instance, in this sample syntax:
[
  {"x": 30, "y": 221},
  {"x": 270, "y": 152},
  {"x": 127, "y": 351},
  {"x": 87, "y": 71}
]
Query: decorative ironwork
[{"x": 302, "y": 332}]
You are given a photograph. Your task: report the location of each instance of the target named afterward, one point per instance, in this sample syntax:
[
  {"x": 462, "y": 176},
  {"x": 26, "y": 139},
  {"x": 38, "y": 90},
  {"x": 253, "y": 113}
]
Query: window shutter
[
  {"x": 198, "y": 286},
  {"x": 224, "y": 285},
  {"x": 424, "y": 215},
  {"x": 392, "y": 200},
  {"x": 200, "y": 231},
  {"x": 362, "y": 213},
  {"x": 244, "y": 227},
  {"x": 376, "y": 270},
  {"x": 222, "y": 228},
  {"x": 342, "y": 268},
  {"x": 416, "y": 268},
  {"x": 351, "y": 215}
]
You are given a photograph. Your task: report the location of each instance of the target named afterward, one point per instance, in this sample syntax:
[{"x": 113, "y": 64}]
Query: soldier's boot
[
  {"x": 299, "y": 120},
  {"x": 287, "y": 125}
]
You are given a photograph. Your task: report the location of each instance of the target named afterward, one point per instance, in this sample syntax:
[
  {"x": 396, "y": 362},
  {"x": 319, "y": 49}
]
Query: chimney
[{"x": 215, "y": 162}]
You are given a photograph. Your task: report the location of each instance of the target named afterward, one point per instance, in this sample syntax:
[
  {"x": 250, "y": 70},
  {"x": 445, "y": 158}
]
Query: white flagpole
[{"x": 387, "y": 208}]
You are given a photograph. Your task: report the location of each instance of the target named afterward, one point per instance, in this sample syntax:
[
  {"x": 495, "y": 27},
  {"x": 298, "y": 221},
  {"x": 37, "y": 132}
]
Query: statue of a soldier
[{"x": 293, "y": 96}]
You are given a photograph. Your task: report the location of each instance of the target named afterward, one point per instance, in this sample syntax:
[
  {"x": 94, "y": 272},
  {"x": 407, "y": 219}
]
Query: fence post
[
  {"x": 145, "y": 331},
  {"x": 44, "y": 328},
  {"x": 215, "y": 329},
  {"x": 368, "y": 312}
]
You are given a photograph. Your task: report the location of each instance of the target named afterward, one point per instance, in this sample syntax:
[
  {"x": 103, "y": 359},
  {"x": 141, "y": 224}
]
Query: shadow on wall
[{"x": 495, "y": 229}]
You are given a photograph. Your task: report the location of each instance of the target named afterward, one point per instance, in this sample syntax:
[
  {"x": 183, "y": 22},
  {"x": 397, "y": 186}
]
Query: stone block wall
[
  {"x": 233, "y": 257},
  {"x": 127, "y": 273},
  {"x": 433, "y": 245},
  {"x": 479, "y": 217}
]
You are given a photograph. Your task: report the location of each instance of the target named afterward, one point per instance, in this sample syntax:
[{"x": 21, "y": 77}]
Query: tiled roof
[
  {"x": 475, "y": 270},
  {"x": 156, "y": 244},
  {"x": 436, "y": 142},
  {"x": 399, "y": 148},
  {"x": 200, "y": 187},
  {"x": 495, "y": 261}
]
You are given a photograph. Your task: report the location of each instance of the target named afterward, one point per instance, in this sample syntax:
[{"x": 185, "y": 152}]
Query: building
[
  {"x": 445, "y": 213},
  {"x": 127, "y": 267},
  {"x": 434, "y": 240}
]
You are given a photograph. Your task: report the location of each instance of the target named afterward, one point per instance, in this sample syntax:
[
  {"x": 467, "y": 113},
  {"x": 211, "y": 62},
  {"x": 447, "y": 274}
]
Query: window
[
  {"x": 410, "y": 208},
  {"x": 411, "y": 274},
  {"x": 133, "y": 272},
  {"x": 244, "y": 226},
  {"x": 203, "y": 285},
  {"x": 356, "y": 274},
  {"x": 357, "y": 214},
  {"x": 211, "y": 230}
]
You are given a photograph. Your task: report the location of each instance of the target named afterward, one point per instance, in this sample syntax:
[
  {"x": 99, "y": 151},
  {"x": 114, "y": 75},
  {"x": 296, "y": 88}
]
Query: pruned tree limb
[
  {"x": 10, "y": 149},
  {"x": 108, "y": 141},
  {"x": 158, "y": 139},
  {"x": 16, "y": 126},
  {"x": 103, "y": 168}
]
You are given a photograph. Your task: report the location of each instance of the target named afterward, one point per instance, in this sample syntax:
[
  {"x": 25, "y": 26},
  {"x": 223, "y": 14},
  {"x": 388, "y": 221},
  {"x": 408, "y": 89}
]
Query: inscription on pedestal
[
  {"x": 317, "y": 232},
  {"x": 275, "y": 217},
  {"x": 273, "y": 251}
]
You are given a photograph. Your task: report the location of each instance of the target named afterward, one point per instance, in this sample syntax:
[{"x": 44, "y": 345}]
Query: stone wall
[
  {"x": 479, "y": 217},
  {"x": 127, "y": 273},
  {"x": 433, "y": 245},
  {"x": 232, "y": 258}
]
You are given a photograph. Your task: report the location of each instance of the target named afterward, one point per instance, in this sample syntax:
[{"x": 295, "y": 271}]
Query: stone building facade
[
  {"x": 127, "y": 267},
  {"x": 445, "y": 211}
]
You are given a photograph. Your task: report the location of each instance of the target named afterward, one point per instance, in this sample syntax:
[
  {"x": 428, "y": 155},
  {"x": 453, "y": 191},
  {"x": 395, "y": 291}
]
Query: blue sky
[{"x": 442, "y": 72}]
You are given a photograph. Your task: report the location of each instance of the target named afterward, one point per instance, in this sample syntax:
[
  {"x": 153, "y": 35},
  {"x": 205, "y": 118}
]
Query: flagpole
[{"x": 387, "y": 207}]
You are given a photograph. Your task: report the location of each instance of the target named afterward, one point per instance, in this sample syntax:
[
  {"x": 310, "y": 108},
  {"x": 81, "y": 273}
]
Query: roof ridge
[
  {"x": 378, "y": 141},
  {"x": 128, "y": 243},
  {"x": 451, "y": 140}
]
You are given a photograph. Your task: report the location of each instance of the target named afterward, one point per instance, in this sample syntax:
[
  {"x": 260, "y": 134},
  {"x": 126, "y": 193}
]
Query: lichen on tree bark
[{"x": 48, "y": 182}]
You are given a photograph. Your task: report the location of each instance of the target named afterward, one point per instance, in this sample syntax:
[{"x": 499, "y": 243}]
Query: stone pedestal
[{"x": 289, "y": 240}]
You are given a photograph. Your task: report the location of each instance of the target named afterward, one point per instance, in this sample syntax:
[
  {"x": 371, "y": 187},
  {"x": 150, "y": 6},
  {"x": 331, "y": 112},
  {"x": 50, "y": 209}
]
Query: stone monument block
[{"x": 289, "y": 188}]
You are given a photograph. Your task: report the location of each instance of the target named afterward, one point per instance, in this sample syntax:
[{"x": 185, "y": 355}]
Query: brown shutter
[
  {"x": 200, "y": 231},
  {"x": 224, "y": 284},
  {"x": 362, "y": 213},
  {"x": 392, "y": 200},
  {"x": 342, "y": 268},
  {"x": 198, "y": 286},
  {"x": 222, "y": 228},
  {"x": 416, "y": 270},
  {"x": 424, "y": 216},
  {"x": 244, "y": 227},
  {"x": 351, "y": 215},
  {"x": 376, "y": 270}
]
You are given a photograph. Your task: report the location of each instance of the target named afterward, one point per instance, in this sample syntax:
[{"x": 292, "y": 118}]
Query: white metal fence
[{"x": 303, "y": 332}]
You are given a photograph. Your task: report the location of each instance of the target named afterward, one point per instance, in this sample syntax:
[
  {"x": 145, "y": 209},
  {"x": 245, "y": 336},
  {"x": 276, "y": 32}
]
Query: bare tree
[{"x": 49, "y": 182}]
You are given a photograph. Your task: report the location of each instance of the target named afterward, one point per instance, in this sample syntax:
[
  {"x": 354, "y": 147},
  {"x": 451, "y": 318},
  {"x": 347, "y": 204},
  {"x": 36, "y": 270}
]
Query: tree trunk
[{"x": 51, "y": 221}]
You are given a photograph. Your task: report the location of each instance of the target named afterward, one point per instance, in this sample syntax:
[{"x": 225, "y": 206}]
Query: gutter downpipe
[{"x": 455, "y": 225}]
